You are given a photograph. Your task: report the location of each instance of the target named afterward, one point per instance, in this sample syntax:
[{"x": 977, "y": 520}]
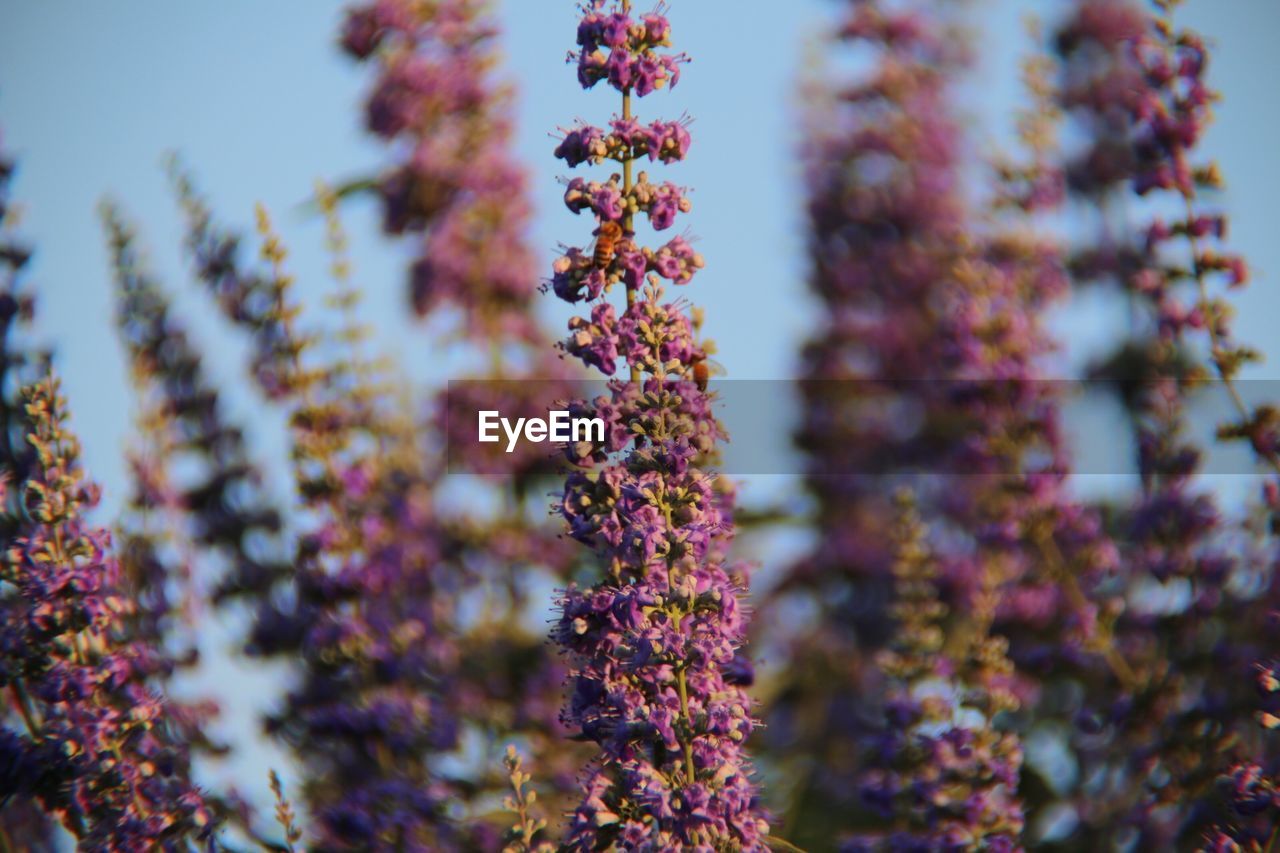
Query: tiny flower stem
[
  {"x": 627, "y": 182},
  {"x": 683, "y": 686},
  {"x": 682, "y": 683},
  {"x": 284, "y": 813},
  {"x": 1116, "y": 661},
  {"x": 1217, "y": 346}
]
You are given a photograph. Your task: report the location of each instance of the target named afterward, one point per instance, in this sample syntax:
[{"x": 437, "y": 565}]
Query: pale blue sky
[{"x": 260, "y": 103}]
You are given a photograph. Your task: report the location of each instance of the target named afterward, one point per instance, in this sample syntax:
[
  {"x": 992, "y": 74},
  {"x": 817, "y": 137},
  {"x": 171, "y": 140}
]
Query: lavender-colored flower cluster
[
  {"x": 468, "y": 207},
  {"x": 95, "y": 747},
  {"x": 376, "y": 579},
  {"x": 929, "y": 317},
  {"x": 626, "y": 139},
  {"x": 455, "y": 186},
  {"x": 627, "y": 52},
  {"x": 939, "y": 773},
  {"x": 653, "y": 644},
  {"x": 21, "y": 817}
]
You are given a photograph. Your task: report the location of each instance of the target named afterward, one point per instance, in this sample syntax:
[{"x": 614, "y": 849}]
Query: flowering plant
[{"x": 963, "y": 650}]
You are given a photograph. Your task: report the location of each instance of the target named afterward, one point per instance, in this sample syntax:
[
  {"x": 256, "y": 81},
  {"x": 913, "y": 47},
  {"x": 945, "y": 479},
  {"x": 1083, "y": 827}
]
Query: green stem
[
  {"x": 681, "y": 681},
  {"x": 627, "y": 184},
  {"x": 1058, "y": 566},
  {"x": 776, "y": 843},
  {"x": 683, "y": 687},
  {"x": 1216, "y": 342},
  {"x": 1217, "y": 346}
]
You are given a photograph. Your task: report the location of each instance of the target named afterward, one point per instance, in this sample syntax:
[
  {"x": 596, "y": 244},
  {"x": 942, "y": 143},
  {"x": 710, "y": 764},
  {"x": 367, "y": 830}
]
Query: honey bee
[
  {"x": 608, "y": 239},
  {"x": 702, "y": 369}
]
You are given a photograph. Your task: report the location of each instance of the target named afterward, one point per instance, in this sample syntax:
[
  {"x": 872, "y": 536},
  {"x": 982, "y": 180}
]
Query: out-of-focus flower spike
[
  {"x": 22, "y": 816},
  {"x": 97, "y": 747},
  {"x": 285, "y": 816},
  {"x": 523, "y": 835},
  {"x": 941, "y": 775},
  {"x": 457, "y": 189},
  {"x": 1132, "y": 86},
  {"x": 172, "y": 385}
]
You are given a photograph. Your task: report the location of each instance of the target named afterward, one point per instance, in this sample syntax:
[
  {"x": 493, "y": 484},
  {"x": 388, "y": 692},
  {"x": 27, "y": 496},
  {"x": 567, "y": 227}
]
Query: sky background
[{"x": 259, "y": 103}]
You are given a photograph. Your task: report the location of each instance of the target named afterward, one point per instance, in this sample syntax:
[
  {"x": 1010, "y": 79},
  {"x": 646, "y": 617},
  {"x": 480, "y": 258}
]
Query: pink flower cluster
[
  {"x": 609, "y": 201},
  {"x": 626, "y": 52},
  {"x": 456, "y": 188},
  {"x": 626, "y": 139},
  {"x": 576, "y": 275}
]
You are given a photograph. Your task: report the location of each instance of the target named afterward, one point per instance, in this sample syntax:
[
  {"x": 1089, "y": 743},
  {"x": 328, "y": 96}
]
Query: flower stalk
[{"x": 651, "y": 644}]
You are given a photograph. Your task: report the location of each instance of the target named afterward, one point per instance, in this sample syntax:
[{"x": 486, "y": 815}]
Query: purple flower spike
[
  {"x": 456, "y": 188},
  {"x": 658, "y": 671},
  {"x": 97, "y": 747}
]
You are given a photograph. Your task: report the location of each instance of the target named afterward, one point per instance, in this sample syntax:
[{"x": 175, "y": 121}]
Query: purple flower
[
  {"x": 662, "y": 202},
  {"x": 592, "y": 68},
  {"x": 654, "y": 72},
  {"x": 657, "y": 674},
  {"x": 626, "y": 139},
  {"x": 382, "y": 689},
  {"x": 657, "y": 30},
  {"x": 614, "y": 31},
  {"x": 629, "y": 132},
  {"x": 620, "y": 69},
  {"x": 657, "y": 337},
  {"x": 633, "y": 62},
  {"x": 595, "y": 341},
  {"x": 605, "y": 200},
  {"x": 668, "y": 141},
  {"x": 676, "y": 261},
  {"x": 924, "y": 368},
  {"x": 1130, "y": 81},
  {"x": 583, "y": 144}
]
